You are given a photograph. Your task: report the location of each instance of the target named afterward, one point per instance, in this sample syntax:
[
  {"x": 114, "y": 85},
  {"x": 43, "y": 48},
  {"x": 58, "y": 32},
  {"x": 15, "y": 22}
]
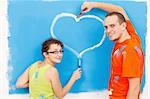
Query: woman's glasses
[{"x": 56, "y": 52}]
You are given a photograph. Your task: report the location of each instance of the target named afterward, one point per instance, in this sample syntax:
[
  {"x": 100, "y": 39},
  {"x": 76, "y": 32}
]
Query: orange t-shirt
[{"x": 127, "y": 60}]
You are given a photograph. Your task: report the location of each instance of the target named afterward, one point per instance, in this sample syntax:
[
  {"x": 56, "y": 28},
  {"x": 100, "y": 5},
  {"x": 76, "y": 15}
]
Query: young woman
[{"x": 42, "y": 77}]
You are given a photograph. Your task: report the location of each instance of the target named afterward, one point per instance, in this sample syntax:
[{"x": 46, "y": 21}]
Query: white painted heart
[{"x": 79, "y": 55}]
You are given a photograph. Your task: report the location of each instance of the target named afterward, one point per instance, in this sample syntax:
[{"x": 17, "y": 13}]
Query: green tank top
[{"x": 39, "y": 86}]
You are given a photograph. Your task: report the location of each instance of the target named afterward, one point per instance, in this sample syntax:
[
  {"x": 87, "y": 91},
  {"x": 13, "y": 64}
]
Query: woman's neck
[{"x": 46, "y": 61}]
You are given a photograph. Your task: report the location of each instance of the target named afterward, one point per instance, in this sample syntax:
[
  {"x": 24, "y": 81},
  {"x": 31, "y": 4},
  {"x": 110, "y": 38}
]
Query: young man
[
  {"x": 127, "y": 60},
  {"x": 42, "y": 77}
]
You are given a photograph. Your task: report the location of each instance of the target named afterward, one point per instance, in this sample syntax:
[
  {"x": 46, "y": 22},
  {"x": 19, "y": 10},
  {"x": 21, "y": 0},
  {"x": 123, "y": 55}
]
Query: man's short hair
[
  {"x": 48, "y": 42},
  {"x": 121, "y": 18}
]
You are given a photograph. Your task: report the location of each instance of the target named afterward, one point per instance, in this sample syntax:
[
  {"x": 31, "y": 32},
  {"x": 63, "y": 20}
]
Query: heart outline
[{"x": 79, "y": 55}]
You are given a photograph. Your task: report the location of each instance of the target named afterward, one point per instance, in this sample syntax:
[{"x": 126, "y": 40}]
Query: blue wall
[{"x": 29, "y": 26}]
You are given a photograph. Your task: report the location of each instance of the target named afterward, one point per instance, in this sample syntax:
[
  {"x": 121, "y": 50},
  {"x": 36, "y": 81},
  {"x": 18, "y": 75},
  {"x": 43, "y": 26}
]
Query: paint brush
[
  {"x": 81, "y": 13},
  {"x": 79, "y": 63}
]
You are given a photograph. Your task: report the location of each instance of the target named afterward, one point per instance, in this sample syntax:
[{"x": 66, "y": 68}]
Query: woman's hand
[{"x": 76, "y": 74}]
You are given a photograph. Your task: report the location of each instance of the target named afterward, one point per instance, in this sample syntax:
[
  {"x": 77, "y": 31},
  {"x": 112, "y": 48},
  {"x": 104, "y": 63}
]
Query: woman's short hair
[{"x": 48, "y": 42}]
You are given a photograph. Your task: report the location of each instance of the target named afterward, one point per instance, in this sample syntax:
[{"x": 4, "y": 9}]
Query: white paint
[
  {"x": 4, "y": 51},
  {"x": 79, "y": 55}
]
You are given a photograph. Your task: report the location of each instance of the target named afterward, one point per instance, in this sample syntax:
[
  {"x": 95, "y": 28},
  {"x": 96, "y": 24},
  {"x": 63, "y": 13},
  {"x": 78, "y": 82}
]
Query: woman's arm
[
  {"x": 57, "y": 87},
  {"x": 23, "y": 80}
]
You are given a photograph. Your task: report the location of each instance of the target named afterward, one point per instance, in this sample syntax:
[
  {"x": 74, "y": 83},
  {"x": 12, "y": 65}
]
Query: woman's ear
[{"x": 45, "y": 54}]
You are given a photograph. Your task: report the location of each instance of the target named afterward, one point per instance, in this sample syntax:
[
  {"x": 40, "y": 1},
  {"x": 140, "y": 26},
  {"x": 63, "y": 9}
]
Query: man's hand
[{"x": 88, "y": 6}]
